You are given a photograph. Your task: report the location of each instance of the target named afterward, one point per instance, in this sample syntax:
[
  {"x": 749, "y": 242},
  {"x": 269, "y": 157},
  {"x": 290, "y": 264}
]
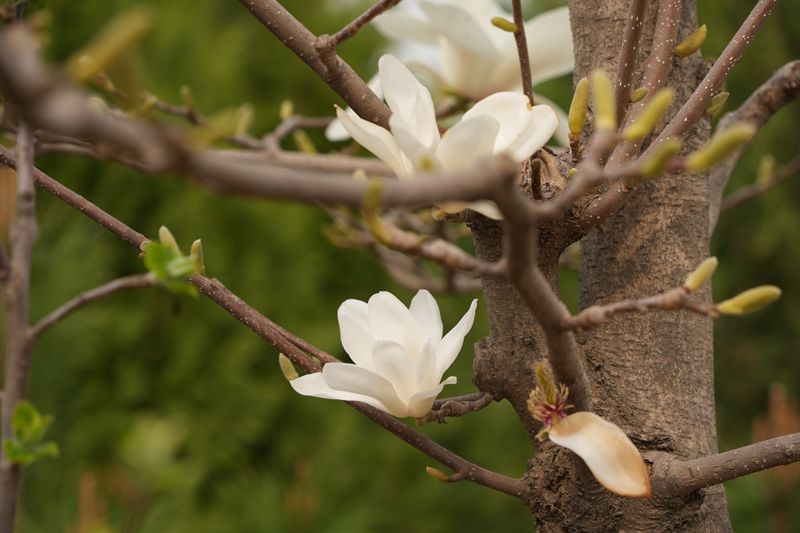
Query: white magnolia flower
[
  {"x": 470, "y": 55},
  {"x": 399, "y": 355},
  {"x": 455, "y": 44},
  {"x": 501, "y": 123}
]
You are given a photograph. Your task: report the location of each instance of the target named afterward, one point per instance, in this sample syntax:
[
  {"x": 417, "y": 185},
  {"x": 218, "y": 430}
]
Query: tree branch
[
  {"x": 627, "y": 56},
  {"x": 522, "y": 50},
  {"x": 457, "y": 406},
  {"x": 362, "y": 20},
  {"x": 334, "y": 72},
  {"x": 781, "y": 89},
  {"x": 136, "y": 281},
  {"x": 754, "y": 191},
  {"x": 19, "y": 347},
  {"x": 673, "y": 476}
]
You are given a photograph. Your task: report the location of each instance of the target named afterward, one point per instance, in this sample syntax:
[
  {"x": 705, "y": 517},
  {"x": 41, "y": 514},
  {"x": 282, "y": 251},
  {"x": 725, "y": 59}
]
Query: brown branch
[
  {"x": 673, "y": 476},
  {"x": 782, "y": 88},
  {"x": 136, "y": 281},
  {"x": 546, "y": 308},
  {"x": 457, "y": 406},
  {"x": 19, "y": 347},
  {"x": 672, "y": 300},
  {"x": 362, "y": 20},
  {"x": 272, "y": 141},
  {"x": 627, "y": 56},
  {"x": 754, "y": 191},
  {"x": 332, "y": 69},
  {"x": 297, "y": 351},
  {"x": 692, "y": 109},
  {"x": 522, "y": 50}
]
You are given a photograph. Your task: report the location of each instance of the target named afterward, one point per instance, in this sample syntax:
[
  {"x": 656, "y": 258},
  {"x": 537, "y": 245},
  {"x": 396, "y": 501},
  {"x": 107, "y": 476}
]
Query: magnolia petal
[
  {"x": 562, "y": 131},
  {"x": 486, "y": 208},
  {"x": 460, "y": 26},
  {"x": 378, "y": 141},
  {"x": 357, "y": 340},
  {"x": 427, "y": 367},
  {"x": 405, "y": 22},
  {"x": 543, "y": 122},
  {"x": 451, "y": 344},
  {"x": 510, "y": 110},
  {"x": 471, "y": 139},
  {"x": 421, "y": 403},
  {"x": 426, "y": 311},
  {"x": 422, "y": 157},
  {"x": 335, "y": 130},
  {"x": 315, "y": 385},
  {"x": 351, "y": 378},
  {"x": 396, "y": 366},
  {"x": 606, "y": 450},
  {"x": 390, "y": 320},
  {"x": 409, "y": 100},
  {"x": 549, "y": 39}
]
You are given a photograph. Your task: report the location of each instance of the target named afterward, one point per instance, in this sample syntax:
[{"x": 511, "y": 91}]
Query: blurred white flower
[
  {"x": 467, "y": 53},
  {"x": 454, "y": 43},
  {"x": 502, "y": 123},
  {"x": 399, "y": 355}
]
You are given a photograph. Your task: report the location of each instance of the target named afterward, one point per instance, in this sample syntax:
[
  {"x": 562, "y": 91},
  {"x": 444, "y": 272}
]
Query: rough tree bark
[{"x": 652, "y": 374}]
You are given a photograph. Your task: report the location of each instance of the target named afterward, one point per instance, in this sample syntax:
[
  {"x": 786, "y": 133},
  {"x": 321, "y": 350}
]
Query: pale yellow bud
[
  {"x": 638, "y": 94},
  {"x": 750, "y": 300},
  {"x": 437, "y": 474},
  {"x": 244, "y": 119},
  {"x": 167, "y": 239},
  {"x": 720, "y": 146},
  {"x": 286, "y": 109},
  {"x": 577, "y": 109},
  {"x": 650, "y": 115},
  {"x": 571, "y": 172},
  {"x": 197, "y": 257},
  {"x": 504, "y": 24},
  {"x": 603, "y": 97},
  {"x": 717, "y": 101},
  {"x": 114, "y": 39},
  {"x": 692, "y": 43},
  {"x": 700, "y": 274},
  {"x": 655, "y": 164},
  {"x": 287, "y": 368}
]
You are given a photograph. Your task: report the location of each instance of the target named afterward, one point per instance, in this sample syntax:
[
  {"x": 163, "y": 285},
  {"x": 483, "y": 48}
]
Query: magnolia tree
[{"x": 620, "y": 412}]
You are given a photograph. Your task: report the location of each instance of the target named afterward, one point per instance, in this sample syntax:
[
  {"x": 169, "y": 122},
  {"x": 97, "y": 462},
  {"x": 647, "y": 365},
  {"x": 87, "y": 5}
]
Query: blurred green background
[{"x": 171, "y": 417}]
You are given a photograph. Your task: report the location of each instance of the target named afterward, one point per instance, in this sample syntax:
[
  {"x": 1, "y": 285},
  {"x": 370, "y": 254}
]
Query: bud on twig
[
  {"x": 167, "y": 239},
  {"x": 437, "y": 474},
  {"x": 720, "y": 146},
  {"x": 650, "y": 115},
  {"x": 655, "y": 164},
  {"x": 603, "y": 97},
  {"x": 287, "y": 368},
  {"x": 577, "y": 109},
  {"x": 196, "y": 254},
  {"x": 700, "y": 274},
  {"x": 504, "y": 24},
  {"x": 717, "y": 101},
  {"x": 750, "y": 300},
  {"x": 638, "y": 94},
  {"x": 692, "y": 43}
]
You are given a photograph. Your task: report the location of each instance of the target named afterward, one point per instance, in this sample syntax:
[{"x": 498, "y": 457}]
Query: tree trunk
[{"x": 650, "y": 373}]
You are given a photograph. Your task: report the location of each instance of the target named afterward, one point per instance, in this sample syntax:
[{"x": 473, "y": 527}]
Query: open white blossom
[
  {"x": 504, "y": 122},
  {"x": 399, "y": 353},
  {"x": 467, "y": 53},
  {"x": 454, "y": 43}
]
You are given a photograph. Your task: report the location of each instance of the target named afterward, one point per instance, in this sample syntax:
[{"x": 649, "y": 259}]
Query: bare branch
[
  {"x": 362, "y": 20},
  {"x": 522, "y": 50},
  {"x": 273, "y": 140},
  {"x": 780, "y": 89},
  {"x": 19, "y": 348},
  {"x": 627, "y": 56},
  {"x": 136, "y": 281},
  {"x": 672, "y": 476},
  {"x": 458, "y": 406},
  {"x": 332, "y": 69},
  {"x": 744, "y": 194}
]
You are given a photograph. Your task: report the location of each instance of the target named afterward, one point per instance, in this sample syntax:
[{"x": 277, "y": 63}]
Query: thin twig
[
  {"x": 522, "y": 50},
  {"x": 458, "y": 406},
  {"x": 136, "y": 281},
  {"x": 272, "y": 141},
  {"x": 362, "y": 20},
  {"x": 754, "y": 191}
]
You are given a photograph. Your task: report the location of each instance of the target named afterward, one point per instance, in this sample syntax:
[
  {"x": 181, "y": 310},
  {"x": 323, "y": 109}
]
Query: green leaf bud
[
  {"x": 720, "y": 146},
  {"x": 504, "y": 24},
  {"x": 750, "y": 300},
  {"x": 700, "y": 274},
  {"x": 577, "y": 109},
  {"x": 603, "y": 97},
  {"x": 650, "y": 115},
  {"x": 655, "y": 164},
  {"x": 692, "y": 43}
]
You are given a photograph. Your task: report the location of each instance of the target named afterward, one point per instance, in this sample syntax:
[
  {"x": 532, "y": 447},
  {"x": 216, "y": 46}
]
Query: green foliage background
[{"x": 171, "y": 417}]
